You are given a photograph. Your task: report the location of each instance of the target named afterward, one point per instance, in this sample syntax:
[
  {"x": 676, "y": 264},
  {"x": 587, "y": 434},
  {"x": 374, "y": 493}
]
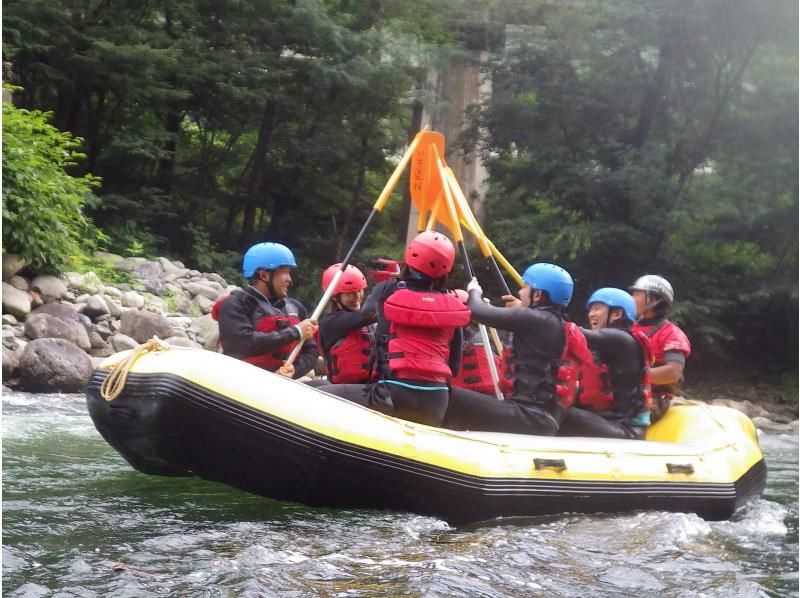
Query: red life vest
[
  {"x": 272, "y": 361},
  {"x": 596, "y": 389},
  {"x": 565, "y": 371},
  {"x": 348, "y": 358},
  {"x": 474, "y": 373},
  {"x": 421, "y": 328},
  {"x": 649, "y": 359}
]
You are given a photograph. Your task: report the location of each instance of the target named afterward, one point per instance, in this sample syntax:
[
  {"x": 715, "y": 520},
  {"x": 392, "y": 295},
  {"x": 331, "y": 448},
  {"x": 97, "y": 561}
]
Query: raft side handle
[
  {"x": 554, "y": 464},
  {"x": 680, "y": 468}
]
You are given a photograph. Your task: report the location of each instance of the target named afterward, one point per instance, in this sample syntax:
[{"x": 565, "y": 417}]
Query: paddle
[
  {"x": 480, "y": 236},
  {"x": 376, "y": 208},
  {"x": 459, "y": 238},
  {"x": 424, "y": 182}
]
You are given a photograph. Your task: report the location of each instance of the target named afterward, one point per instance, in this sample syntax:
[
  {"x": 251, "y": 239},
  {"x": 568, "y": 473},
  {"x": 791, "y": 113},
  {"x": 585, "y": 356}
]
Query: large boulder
[
  {"x": 133, "y": 299},
  {"x": 18, "y": 282},
  {"x": 149, "y": 270},
  {"x": 10, "y": 363},
  {"x": 15, "y": 302},
  {"x": 207, "y": 327},
  {"x": 95, "y": 307},
  {"x": 50, "y": 288},
  {"x": 143, "y": 325},
  {"x": 54, "y": 365},
  {"x": 88, "y": 282},
  {"x": 63, "y": 311},
  {"x": 44, "y": 325},
  {"x": 12, "y": 264}
]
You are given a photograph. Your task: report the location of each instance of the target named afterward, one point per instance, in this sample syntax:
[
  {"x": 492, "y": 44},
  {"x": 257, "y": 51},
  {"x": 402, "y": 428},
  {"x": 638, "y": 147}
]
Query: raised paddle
[
  {"x": 466, "y": 213},
  {"x": 376, "y": 208},
  {"x": 424, "y": 181},
  {"x": 455, "y": 228}
]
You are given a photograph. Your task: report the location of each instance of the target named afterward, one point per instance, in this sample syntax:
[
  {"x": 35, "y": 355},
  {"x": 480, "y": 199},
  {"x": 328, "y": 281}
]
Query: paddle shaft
[
  {"x": 379, "y": 204},
  {"x": 451, "y": 208}
]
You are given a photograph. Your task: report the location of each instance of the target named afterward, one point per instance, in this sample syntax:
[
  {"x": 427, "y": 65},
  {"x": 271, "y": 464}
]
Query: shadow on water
[{"x": 78, "y": 521}]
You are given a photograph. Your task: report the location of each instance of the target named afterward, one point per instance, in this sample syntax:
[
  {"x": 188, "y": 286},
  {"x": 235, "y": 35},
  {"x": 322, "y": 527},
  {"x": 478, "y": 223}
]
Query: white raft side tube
[{"x": 478, "y": 454}]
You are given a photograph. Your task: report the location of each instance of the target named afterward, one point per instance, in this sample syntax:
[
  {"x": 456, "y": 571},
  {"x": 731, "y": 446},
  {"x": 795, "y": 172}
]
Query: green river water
[{"x": 79, "y": 521}]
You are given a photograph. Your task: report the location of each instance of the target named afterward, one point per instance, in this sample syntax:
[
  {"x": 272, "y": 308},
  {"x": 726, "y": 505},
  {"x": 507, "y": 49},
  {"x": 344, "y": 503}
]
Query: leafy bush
[
  {"x": 106, "y": 271},
  {"x": 42, "y": 204}
]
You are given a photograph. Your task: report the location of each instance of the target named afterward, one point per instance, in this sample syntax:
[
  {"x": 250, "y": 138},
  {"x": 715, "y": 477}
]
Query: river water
[{"x": 78, "y": 521}]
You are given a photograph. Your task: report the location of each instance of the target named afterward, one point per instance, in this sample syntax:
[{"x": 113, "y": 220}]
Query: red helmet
[
  {"x": 352, "y": 279},
  {"x": 389, "y": 269},
  {"x": 431, "y": 253}
]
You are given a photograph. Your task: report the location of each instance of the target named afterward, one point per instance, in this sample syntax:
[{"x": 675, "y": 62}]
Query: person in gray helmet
[{"x": 654, "y": 295}]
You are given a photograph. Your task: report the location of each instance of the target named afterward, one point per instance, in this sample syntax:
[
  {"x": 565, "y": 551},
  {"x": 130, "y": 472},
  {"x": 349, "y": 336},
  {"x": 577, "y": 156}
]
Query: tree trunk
[
  {"x": 358, "y": 188},
  {"x": 256, "y": 184}
]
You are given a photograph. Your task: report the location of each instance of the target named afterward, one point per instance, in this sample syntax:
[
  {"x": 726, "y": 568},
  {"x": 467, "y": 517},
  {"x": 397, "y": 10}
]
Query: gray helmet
[{"x": 658, "y": 285}]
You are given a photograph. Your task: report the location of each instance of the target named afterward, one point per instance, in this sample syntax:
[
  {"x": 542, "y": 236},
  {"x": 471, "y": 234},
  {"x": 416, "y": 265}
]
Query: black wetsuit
[
  {"x": 242, "y": 311},
  {"x": 624, "y": 358},
  {"x": 533, "y": 407},
  {"x": 415, "y": 400}
]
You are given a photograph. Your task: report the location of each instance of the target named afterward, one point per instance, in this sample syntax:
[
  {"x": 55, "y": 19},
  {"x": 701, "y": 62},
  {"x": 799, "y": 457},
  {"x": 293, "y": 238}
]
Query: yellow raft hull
[{"x": 194, "y": 412}]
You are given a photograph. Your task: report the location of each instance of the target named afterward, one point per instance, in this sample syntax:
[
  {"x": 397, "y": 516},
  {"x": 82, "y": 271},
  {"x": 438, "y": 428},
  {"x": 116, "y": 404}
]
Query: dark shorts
[
  {"x": 470, "y": 410},
  {"x": 421, "y": 406}
]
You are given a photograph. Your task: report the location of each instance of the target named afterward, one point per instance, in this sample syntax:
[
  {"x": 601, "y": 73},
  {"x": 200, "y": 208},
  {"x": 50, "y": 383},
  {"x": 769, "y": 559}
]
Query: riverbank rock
[
  {"x": 44, "y": 325},
  {"x": 54, "y": 365},
  {"x": 50, "y": 288},
  {"x": 12, "y": 264},
  {"x": 144, "y": 325},
  {"x": 16, "y": 302}
]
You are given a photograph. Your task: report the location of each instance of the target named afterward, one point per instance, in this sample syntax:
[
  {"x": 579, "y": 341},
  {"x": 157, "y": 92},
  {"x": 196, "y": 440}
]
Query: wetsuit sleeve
[
  {"x": 338, "y": 324},
  {"x": 514, "y": 319},
  {"x": 369, "y": 310},
  {"x": 238, "y": 335},
  {"x": 676, "y": 356},
  {"x": 308, "y": 354}
]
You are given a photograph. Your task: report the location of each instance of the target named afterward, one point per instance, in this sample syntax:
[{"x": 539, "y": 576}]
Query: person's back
[
  {"x": 671, "y": 347},
  {"x": 418, "y": 336}
]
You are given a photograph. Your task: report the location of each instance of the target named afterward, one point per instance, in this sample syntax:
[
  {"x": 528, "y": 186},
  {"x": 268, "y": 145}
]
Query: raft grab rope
[{"x": 114, "y": 383}]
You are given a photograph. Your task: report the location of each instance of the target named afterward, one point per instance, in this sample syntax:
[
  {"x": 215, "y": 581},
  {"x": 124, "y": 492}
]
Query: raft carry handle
[
  {"x": 554, "y": 464},
  {"x": 680, "y": 468}
]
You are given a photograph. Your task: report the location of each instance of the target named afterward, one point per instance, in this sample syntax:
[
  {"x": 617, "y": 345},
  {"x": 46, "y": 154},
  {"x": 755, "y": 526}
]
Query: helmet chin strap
[
  {"x": 270, "y": 287},
  {"x": 651, "y": 305}
]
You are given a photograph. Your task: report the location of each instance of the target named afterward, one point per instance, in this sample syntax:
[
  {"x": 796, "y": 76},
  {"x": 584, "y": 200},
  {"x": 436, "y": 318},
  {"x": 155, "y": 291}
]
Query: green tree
[{"x": 43, "y": 217}]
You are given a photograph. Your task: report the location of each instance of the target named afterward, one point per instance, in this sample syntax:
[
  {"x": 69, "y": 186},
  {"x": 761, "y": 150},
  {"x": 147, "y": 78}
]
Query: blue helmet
[
  {"x": 268, "y": 256},
  {"x": 615, "y": 298},
  {"x": 551, "y": 278}
]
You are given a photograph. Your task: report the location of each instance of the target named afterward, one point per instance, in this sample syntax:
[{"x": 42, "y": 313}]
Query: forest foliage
[{"x": 621, "y": 137}]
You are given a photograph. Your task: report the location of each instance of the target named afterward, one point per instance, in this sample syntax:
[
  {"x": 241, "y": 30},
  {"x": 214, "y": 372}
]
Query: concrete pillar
[{"x": 463, "y": 83}]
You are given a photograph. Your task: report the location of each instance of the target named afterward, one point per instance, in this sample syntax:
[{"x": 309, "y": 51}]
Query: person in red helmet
[
  {"x": 418, "y": 337},
  {"x": 346, "y": 334}
]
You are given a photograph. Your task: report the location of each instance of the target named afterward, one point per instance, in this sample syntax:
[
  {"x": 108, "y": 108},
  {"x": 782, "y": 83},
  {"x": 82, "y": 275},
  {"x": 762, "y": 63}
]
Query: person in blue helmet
[
  {"x": 546, "y": 353},
  {"x": 261, "y": 324},
  {"x": 614, "y": 399}
]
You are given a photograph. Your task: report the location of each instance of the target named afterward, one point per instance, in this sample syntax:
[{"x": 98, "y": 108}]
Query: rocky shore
[{"x": 56, "y": 330}]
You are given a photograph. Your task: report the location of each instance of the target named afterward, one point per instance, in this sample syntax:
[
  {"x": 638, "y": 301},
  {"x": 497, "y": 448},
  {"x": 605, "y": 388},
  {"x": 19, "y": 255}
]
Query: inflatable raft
[{"x": 193, "y": 412}]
